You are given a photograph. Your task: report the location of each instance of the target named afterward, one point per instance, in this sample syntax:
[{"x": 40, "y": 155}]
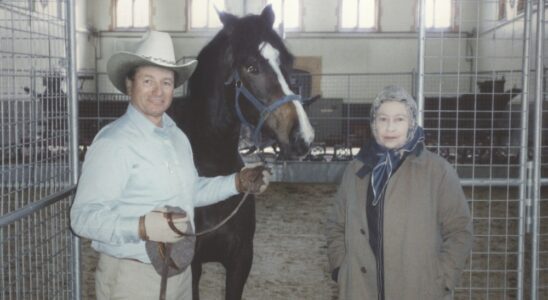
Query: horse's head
[{"x": 257, "y": 65}]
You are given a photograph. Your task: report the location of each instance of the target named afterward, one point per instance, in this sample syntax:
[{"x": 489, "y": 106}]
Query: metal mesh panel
[
  {"x": 35, "y": 255},
  {"x": 472, "y": 116},
  {"x": 341, "y": 116},
  {"x": 33, "y": 107},
  {"x": 541, "y": 266},
  {"x": 96, "y": 111}
]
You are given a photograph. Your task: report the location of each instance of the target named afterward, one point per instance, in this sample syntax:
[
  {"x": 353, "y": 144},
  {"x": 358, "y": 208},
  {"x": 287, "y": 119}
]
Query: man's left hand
[{"x": 253, "y": 178}]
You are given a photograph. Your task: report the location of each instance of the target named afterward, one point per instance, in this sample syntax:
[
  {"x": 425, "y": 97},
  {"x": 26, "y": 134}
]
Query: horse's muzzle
[{"x": 298, "y": 146}]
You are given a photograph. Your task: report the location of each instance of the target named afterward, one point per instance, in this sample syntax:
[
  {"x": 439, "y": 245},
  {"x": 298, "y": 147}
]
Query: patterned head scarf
[{"x": 389, "y": 159}]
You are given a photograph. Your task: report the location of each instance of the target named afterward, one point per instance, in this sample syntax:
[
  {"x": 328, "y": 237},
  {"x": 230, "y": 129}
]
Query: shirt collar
[{"x": 145, "y": 125}]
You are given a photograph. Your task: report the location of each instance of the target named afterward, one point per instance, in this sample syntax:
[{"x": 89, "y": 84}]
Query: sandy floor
[{"x": 290, "y": 259}]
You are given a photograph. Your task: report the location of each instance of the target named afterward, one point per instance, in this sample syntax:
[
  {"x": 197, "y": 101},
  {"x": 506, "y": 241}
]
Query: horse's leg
[
  {"x": 196, "y": 274},
  {"x": 237, "y": 271}
]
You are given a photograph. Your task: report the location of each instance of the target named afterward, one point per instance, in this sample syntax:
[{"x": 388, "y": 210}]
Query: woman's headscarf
[{"x": 389, "y": 159}]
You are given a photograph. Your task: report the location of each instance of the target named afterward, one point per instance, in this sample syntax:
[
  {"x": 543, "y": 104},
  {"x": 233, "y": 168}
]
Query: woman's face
[{"x": 392, "y": 124}]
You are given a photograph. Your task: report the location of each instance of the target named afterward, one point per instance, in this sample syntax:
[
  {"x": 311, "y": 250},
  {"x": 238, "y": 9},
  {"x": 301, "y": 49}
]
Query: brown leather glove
[
  {"x": 162, "y": 226},
  {"x": 253, "y": 178}
]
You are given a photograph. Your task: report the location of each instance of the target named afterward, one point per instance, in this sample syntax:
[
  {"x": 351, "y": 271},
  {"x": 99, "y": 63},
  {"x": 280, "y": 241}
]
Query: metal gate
[
  {"x": 39, "y": 167},
  {"x": 481, "y": 89},
  {"x": 539, "y": 178}
]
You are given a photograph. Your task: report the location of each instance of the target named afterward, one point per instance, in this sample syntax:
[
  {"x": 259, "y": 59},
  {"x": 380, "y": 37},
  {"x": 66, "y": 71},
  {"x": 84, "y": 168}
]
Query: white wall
[
  {"x": 501, "y": 42},
  {"x": 84, "y": 41},
  {"x": 501, "y": 47},
  {"x": 393, "y": 49}
]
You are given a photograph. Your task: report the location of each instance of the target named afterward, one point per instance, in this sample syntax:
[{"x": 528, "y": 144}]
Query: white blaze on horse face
[
  {"x": 306, "y": 129},
  {"x": 272, "y": 55}
]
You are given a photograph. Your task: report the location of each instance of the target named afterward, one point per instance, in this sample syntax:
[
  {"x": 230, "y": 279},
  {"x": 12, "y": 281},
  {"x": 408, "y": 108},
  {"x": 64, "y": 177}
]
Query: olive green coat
[{"x": 427, "y": 232}]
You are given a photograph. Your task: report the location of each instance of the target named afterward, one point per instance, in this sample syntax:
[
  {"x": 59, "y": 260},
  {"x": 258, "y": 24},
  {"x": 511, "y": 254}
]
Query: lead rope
[
  {"x": 167, "y": 246},
  {"x": 165, "y": 271},
  {"x": 224, "y": 220}
]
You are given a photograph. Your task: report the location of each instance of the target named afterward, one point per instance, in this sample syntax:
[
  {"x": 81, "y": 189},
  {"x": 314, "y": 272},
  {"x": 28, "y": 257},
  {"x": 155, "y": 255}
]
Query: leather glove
[
  {"x": 162, "y": 226},
  {"x": 253, "y": 178}
]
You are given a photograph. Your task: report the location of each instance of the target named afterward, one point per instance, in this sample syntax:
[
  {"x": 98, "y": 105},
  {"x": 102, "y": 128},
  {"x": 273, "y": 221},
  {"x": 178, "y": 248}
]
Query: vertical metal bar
[
  {"x": 523, "y": 149},
  {"x": 420, "y": 80},
  {"x": 529, "y": 196},
  {"x": 73, "y": 104},
  {"x": 414, "y": 82},
  {"x": 16, "y": 140},
  {"x": 349, "y": 118},
  {"x": 536, "y": 156}
]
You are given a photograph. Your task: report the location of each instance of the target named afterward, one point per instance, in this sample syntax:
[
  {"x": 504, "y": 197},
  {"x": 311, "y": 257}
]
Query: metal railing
[{"x": 37, "y": 174}]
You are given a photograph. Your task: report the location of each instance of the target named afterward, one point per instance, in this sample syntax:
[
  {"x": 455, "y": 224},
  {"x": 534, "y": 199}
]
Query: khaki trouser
[{"x": 128, "y": 279}]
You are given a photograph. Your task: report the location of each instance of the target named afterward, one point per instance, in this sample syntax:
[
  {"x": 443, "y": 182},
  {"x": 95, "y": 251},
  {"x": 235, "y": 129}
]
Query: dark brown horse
[{"x": 241, "y": 78}]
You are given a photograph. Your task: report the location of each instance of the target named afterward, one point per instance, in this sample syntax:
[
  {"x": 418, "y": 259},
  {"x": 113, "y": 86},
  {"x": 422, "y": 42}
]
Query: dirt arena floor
[{"x": 290, "y": 260}]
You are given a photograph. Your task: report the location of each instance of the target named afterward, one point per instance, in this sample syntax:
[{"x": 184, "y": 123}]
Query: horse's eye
[{"x": 252, "y": 69}]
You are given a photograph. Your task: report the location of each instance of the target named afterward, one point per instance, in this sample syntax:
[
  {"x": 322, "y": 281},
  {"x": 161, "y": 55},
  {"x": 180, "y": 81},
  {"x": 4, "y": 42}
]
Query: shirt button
[
  {"x": 363, "y": 269},
  {"x": 362, "y": 231}
]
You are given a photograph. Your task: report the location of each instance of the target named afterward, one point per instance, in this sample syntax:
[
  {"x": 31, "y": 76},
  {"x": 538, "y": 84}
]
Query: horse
[{"x": 241, "y": 79}]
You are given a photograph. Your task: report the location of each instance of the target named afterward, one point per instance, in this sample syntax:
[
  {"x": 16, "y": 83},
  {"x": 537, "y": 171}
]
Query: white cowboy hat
[{"x": 156, "y": 49}]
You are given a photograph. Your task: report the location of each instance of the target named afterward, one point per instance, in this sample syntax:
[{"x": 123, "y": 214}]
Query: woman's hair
[{"x": 397, "y": 94}]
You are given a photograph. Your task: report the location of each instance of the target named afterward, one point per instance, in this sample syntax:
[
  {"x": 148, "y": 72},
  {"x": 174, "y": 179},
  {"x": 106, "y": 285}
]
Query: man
[{"x": 137, "y": 168}]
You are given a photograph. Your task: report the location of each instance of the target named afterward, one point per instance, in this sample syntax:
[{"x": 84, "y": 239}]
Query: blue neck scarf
[{"x": 390, "y": 159}]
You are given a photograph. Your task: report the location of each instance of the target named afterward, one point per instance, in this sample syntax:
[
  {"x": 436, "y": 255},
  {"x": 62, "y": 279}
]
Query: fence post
[
  {"x": 523, "y": 169},
  {"x": 73, "y": 104},
  {"x": 420, "y": 79},
  {"x": 537, "y": 151}
]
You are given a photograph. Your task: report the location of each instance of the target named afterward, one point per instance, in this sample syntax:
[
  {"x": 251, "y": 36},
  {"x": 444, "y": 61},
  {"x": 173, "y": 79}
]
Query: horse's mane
[
  {"x": 237, "y": 40},
  {"x": 207, "y": 83}
]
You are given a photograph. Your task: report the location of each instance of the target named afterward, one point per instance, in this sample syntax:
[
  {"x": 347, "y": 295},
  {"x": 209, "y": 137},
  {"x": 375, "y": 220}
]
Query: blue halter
[{"x": 264, "y": 110}]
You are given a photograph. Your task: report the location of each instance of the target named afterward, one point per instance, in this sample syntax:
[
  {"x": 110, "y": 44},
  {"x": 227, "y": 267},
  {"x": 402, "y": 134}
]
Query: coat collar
[{"x": 368, "y": 156}]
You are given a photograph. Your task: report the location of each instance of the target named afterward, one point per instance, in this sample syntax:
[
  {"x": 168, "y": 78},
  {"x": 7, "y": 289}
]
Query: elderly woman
[{"x": 400, "y": 227}]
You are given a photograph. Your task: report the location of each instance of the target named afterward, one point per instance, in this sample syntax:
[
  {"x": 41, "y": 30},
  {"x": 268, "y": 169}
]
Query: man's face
[{"x": 151, "y": 91}]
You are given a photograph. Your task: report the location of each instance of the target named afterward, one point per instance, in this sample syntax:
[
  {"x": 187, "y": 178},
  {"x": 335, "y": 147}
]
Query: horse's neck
[
  {"x": 215, "y": 149},
  {"x": 221, "y": 141},
  {"x": 213, "y": 129},
  {"x": 222, "y": 159}
]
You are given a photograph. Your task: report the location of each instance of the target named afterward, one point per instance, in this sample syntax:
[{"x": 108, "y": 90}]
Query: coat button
[
  {"x": 362, "y": 231},
  {"x": 363, "y": 269}
]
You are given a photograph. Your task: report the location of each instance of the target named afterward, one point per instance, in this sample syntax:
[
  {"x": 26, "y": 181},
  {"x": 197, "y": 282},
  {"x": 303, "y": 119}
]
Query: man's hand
[
  {"x": 162, "y": 226},
  {"x": 253, "y": 178}
]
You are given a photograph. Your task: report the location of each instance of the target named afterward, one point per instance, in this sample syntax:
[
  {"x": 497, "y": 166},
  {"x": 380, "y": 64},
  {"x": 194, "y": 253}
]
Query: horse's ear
[
  {"x": 226, "y": 18},
  {"x": 268, "y": 15}
]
